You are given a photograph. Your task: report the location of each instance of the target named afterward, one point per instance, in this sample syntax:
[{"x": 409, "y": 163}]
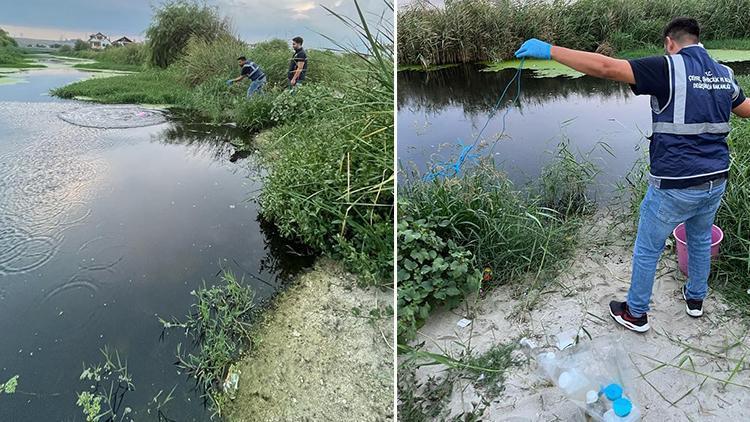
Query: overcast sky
[{"x": 254, "y": 20}]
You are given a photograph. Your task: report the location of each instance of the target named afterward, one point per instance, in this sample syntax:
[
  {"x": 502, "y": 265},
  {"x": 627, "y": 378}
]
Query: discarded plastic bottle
[
  {"x": 622, "y": 411},
  {"x": 574, "y": 384},
  {"x": 595, "y": 405},
  {"x": 548, "y": 363}
]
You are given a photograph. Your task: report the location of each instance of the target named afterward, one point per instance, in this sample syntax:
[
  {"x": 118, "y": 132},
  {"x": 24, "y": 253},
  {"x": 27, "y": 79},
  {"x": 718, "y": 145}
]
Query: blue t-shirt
[{"x": 652, "y": 78}]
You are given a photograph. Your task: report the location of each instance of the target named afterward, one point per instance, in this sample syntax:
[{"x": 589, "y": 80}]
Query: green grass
[
  {"x": 329, "y": 143},
  {"x": 730, "y": 274},
  {"x": 468, "y": 31},
  {"x": 11, "y": 57},
  {"x": 219, "y": 325},
  {"x": 521, "y": 236},
  {"x": 426, "y": 401},
  {"x": 109, "y": 66},
  {"x": 150, "y": 87}
]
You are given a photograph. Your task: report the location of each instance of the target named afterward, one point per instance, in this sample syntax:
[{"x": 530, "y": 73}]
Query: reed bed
[{"x": 464, "y": 31}]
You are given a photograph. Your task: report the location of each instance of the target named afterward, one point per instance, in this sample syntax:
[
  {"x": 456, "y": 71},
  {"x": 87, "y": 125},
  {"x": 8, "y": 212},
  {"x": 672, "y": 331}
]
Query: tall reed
[{"x": 464, "y": 31}]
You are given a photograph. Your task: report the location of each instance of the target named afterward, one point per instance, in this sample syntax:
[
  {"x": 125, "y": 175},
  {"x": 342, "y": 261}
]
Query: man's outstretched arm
[{"x": 593, "y": 64}]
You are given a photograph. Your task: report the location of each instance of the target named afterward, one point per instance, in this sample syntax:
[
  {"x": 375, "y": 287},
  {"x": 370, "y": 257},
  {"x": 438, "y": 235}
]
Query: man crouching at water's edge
[
  {"x": 692, "y": 98},
  {"x": 251, "y": 71}
]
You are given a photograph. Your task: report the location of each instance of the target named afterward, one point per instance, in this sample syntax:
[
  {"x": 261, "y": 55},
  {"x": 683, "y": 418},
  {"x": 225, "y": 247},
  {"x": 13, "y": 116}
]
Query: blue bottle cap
[
  {"x": 613, "y": 391},
  {"x": 622, "y": 407}
]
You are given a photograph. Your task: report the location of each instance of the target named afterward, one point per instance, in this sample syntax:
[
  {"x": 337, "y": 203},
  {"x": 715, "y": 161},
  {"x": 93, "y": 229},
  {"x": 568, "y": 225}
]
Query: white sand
[{"x": 600, "y": 273}]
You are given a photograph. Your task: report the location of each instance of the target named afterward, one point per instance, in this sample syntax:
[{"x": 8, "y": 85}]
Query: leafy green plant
[
  {"x": 219, "y": 328},
  {"x": 111, "y": 381},
  {"x": 431, "y": 272}
]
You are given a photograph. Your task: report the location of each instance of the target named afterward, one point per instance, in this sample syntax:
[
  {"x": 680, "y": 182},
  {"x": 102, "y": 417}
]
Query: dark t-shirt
[
  {"x": 299, "y": 56},
  {"x": 652, "y": 78}
]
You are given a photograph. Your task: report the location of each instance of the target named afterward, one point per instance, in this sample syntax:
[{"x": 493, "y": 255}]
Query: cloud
[{"x": 303, "y": 7}]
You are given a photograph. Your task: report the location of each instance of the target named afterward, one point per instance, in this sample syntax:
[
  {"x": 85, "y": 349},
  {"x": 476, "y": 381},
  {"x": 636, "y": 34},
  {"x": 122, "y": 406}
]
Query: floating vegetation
[
  {"x": 106, "y": 397},
  {"x": 730, "y": 56},
  {"x": 9, "y": 387},
  {"x": 541, "y": 68},
  {"x": 421, "y": 68}
]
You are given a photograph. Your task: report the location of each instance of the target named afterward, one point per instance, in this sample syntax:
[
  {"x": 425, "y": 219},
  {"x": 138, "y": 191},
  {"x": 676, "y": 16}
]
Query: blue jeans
[
  {"x": 255, "y": 86},
  {"x": 661, "y": 211}
]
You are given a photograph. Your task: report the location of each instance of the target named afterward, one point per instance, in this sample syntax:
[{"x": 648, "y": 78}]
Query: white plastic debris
[
  {"x": 232, "y": 381},
  {"x": 567, "y": 338},
  {"x": 528, "y": 343},
  {"x": 464, "y": 322}
]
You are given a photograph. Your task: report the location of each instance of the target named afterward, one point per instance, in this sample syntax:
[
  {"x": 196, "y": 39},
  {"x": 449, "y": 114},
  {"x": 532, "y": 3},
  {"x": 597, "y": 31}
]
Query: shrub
[
  {"x": 210, "y": 59},
  {"x": 6, "y": 40},
  {"x": 432, "y": 271},
  {"x": 175, "y": 23}
]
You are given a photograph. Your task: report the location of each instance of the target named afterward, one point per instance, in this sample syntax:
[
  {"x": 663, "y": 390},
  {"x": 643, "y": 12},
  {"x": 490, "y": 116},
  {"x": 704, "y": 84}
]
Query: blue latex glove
[
  {"x": 229, "y": 82},
  {"x": 535, "y": 48}
]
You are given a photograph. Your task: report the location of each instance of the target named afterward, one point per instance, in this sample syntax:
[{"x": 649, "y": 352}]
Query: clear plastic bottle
[
  {"x": 595, "y": 404},
  {"x": 574, "y": 384}
]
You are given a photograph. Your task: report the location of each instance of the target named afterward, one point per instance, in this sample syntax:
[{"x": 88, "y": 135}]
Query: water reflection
[
  {"x": 477, "y": 91},
  {"x": 104, "y": 230}
]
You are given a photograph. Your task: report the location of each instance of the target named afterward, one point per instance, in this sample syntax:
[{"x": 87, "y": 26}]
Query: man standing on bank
[
  {"x": 298, "y": 63},
  {"x": 692, "y": 97}
]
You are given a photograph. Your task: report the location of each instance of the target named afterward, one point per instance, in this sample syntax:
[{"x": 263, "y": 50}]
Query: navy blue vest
[
  {"x": 690, "y": 130},
  {"x": 255, "y": 72}
]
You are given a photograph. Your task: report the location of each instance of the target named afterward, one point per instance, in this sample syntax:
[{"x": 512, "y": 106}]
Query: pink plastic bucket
[{"x": 682, "y": 253}]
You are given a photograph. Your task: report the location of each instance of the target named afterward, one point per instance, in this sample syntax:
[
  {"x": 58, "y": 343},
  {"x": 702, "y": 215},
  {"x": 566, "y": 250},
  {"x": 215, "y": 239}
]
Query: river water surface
[
  {"x": 102, "y": 231},
  {"x": 442, "y": 110}
]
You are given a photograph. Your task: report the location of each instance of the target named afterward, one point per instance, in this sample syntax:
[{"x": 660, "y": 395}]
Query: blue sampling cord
[{"x": 465, "y": 151}]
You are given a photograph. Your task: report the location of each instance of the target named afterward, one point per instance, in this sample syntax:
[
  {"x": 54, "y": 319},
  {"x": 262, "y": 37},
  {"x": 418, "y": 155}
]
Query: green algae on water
[
  {"x": 541, "y": 68},
  {"x": 421, "y": 68},
  {"x": 730, "y": 56}
]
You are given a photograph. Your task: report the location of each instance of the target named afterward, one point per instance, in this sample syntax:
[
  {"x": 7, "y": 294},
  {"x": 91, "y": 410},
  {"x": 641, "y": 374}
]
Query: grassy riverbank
[
  {"x": 331, "y": 178},
  {"x": 467, "y": 31},
  {"x": 452, "y": 230},
  {"x": 11, "y": 56}
]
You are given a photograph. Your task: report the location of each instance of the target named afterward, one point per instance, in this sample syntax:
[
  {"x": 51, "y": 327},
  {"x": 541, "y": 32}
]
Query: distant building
[
  {"x": 120, "y": 42},
  {"x": 99, "y": 41}
]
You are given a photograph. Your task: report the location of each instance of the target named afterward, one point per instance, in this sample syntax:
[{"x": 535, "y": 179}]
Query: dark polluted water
[
  {"x": 102, "y": 231},
  {"x": 441, "y": 111}
]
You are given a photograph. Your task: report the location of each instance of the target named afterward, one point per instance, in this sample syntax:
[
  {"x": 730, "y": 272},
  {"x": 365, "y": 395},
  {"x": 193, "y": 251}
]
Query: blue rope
[{"x": 465, "y": 155}]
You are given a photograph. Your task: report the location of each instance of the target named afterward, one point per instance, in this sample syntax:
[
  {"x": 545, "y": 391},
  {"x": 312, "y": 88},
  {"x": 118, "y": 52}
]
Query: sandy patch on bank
[
  {"x": 579, "y": 297},
  {"x": 314, "y": 360}
]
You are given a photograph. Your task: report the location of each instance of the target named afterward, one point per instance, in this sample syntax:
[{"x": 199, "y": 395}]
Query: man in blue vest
[
  {"x": 251, "y": 71},
  {"x": 692, "y": 97}
]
